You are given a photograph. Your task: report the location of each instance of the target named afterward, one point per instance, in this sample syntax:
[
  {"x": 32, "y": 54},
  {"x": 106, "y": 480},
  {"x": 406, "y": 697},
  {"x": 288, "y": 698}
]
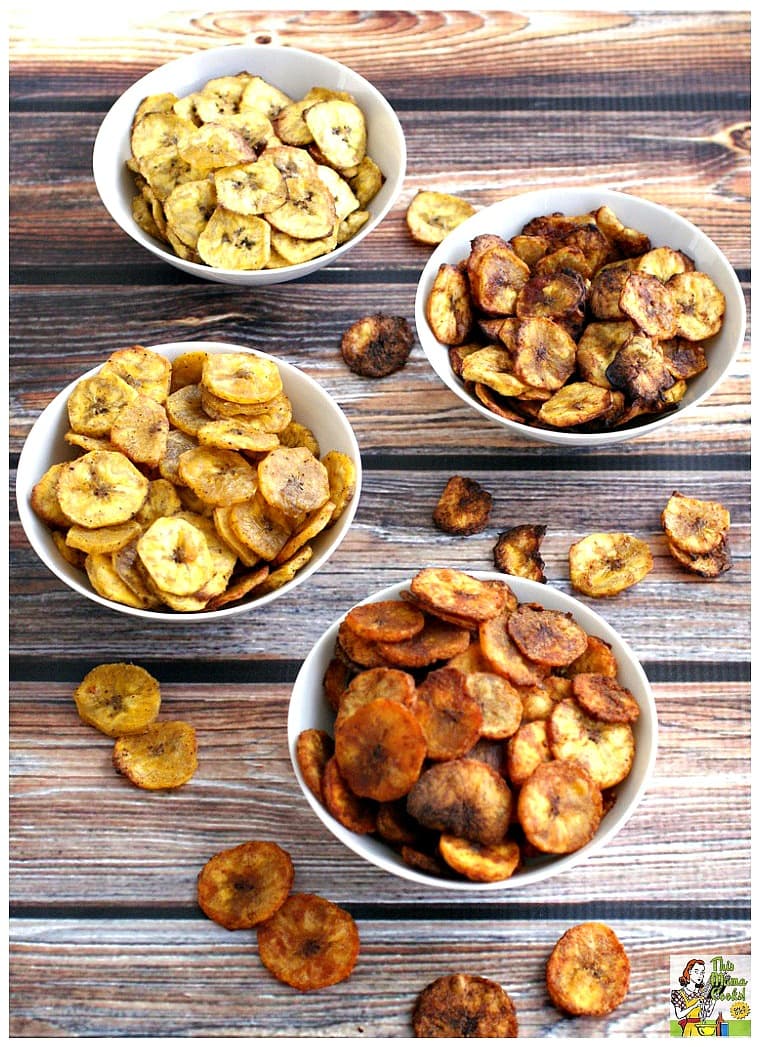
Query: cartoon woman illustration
[{"x": 695, "y": 1001}]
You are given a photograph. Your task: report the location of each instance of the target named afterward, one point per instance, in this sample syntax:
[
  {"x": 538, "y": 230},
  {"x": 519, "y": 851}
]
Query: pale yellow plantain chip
[
  {"x": 96, "y": 402},
  {"x": 220, "y": 96},
  {"x": 314, "y": 524},
  {"x": 242, "y": 378},
  {"x": 212, "y": 146},
  {"x": 254, "y": 127},
  {"x": 340, "y": 131},
  {"x": 448, "y": 308},
  {"x": 699, "y": 305},
  {"x": 605, "y": 750},
  {"x": 175, "y": 555},
  {"x": 72, "y": 556},
  {"x": 292, "y": 480},
  {"x": 143, "y": 214},
  {"x": 163, "y": 171},
  {"x": 606, "y": 563},
  {"x": 141, "y": 430},
  {"x": 367, "y": 182},
  {"x": 118, "y": 698},
  {"x": 217, "y": 476},
  {"x": 343, "y": 195},
  {"x": 257, "y": 528},
  {"x": 102, "y": 539},
  {"x": 233, "y": 241},
  {"x": 545, "y": 353},
  {"x": 482, "y": 863},
  {"x": 309, "y": 211},
  {"x": 223, "y": 558},
  {"x": 693, "y": 524},
  {"x": 351, "y": 225},
  {"x": 341, "y": 478},
  {"x": 492, "y": 366},
  {"x": 293, "y": 250},
  {"x": 180, "y": 248},
  {"x": 285, "y": 572},
  {"x": 295, "y": 434},
  {"x": 431, "y": 216},
  {"x": 588, "y": 971},
  {"x": 44, "y": 498},
  {"x": 101, "y": 488},
  {"x": 147, "y": 371},
  {"x": 188, "y": 208},
  {"x": 236, "y": 435},
  {"x": 290, "y": 160},
  {"x": 243, "y": 886},
  {"x": 108, "y": 583},
  {"x": 260, "y": 95},
  {"x": 252, "y": 189},
  {"x": 164, "y": 756},
  {"x": 159, "y": 132},
  {"x": 162, "y": 102}
]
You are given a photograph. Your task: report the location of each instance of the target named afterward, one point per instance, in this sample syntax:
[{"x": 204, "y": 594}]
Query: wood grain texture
[{"x": 106, "y": 938}]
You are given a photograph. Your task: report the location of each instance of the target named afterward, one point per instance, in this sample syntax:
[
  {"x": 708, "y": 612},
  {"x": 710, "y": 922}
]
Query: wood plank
[
  {"x": 245, "y": 789},
  {"x": 120, "y": 978}
]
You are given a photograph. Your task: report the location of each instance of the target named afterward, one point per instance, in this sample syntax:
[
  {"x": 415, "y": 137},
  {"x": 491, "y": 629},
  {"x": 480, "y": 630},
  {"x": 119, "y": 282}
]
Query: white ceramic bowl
[
  {"x": 664, "y": 228},
  {"x": 309, "y": 708},
  {"x": 292, "y": 70},
  {"x": 45, "y": 445}
]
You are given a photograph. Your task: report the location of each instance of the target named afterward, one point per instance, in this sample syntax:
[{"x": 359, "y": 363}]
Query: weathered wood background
[{"x": 106, "y": 938}]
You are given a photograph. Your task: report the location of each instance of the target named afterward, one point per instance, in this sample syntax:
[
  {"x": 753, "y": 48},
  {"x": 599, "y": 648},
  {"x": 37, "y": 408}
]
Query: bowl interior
[
  {"x": 45, "y": 446},
  {"x": 664, "y": 228},
  {"x": 294, "y": 71},
  {"x": 309, "y": 708}
]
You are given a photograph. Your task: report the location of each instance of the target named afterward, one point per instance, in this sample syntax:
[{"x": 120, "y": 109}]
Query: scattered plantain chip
[
  {"x": 118, "y": 698},
  {"x": 431, "y": 216},
  {"x": 695, "y": 525},
  {"x": 464, "y": 1005},
  {"x": 241, "y": 887},
  {"x": 463, "y": 507},
  {"x": 377, "y": 345},
  {"x": 588, "y": 971},
  {"x": 604, "y": 564},
  {"x": 517, "y": 552},
  {"x": 163, "y": 756},
  {"x": 707, "y": 565},
  {"x": 309, "y": 943}
]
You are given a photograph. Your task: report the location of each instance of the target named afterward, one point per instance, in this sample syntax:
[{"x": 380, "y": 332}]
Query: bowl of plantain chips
[
  {"x": 434, "y": 758},
  {"x": 188, "y": 480},
  {"x": 250, "y": 165},
  {"x": 579, "y": 316}
]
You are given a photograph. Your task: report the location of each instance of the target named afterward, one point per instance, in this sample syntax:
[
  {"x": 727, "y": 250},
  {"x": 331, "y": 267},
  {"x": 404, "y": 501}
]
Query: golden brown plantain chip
[
  {"x": 699, "y": 305},
  {"x": 500, "y": 703},
  {"x": 336, "y": 679},
  {"x": 309, "y": 943},
  {"x": 483, "y": 863},
  {"x": 707, "y": 565},
  {"x": 102, "y": 539},
  {"x": 359, "y": 652},
  {"x": 650, "y": 304},
  {"x": 44, "y": 498},
  {"x": 354, "y": 812},
  {"x": 380, "y": 749},
  {"x": 545, "y": 636},
  {"x": 517, "y": 551},
  {"x": 286, "y": 572},
  {"x": 545, "y": 353},
  {"x": 217, "y": 476},
  {"x": 576, "y": 403},
  {"x": 438, "y": 641},
  {"x": 243, "y": 886},
  {"x": 604, "y": 750},
  {"x": 463, "y": 507},
  {"x": 388, "y": 620},
  {"x": 496, "y": 275},
  {"x": 603, "y": 698},
  {"x": 693, "y": 524},
  {"x": 240, "y": 587},
  {"x": 163, "y": 756},
  {"x": 526, "y": 749},
  {"x": 453, "y": 591},
  {"x": 463, "y": 797},
  {"x": 314, "y": 748},
  {"x": 504, "y": 657},
  {"x": 559, "y": 807},
  {"x": 293, "y": 481},
  {"x": 604, "y": 564},
  {"x": 118, "y": 698},
  {"x": 597, "y": 658},
  {"x": 377, "y": 345},
  {"x": 588, "y": 971},
  {"x": 451, "y": 719},
  {"x": 96, "y": 402},
  {"x": 464, "y": 1005}
]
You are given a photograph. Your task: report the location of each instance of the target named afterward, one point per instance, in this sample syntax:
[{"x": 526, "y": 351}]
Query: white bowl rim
[
  {"x": 57, "y": 407},
  {"x": 525, "y": 590},
  {"x": 283, "y": 273},
  {"x": 547, "y": 200}
]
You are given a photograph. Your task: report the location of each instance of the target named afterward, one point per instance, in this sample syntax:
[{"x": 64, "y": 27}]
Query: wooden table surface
[{"x": 106, "y": 936}]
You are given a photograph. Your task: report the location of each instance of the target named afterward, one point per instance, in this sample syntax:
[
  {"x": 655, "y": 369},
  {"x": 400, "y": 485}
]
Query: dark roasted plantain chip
[
  {"x": 639, "y": 370},
  {"x": 496, "y": 275},
  {"x": 462, "y": 1006},
  {"x": 504, "y": 657},
  {"x": 597, "y": 658},
  {"x": 517, "y": 551},
  {"x": 707, "y": 565},
  {"x": 650, "y": 304},
  {"x": 245, "y": 885},
  {"x": 377, "y": 345},
  {"x": 603, "y": 698},
  {"x": 463, "y": 797},
  {"x": 450, "y": 718},
  {"x": 463, "y": 507},
  {"x": 545, "y": 636},
  {"x": 695, "y": 525},
  {"x": 336, "y": 679},
  {"x": 588, "y": 971}
]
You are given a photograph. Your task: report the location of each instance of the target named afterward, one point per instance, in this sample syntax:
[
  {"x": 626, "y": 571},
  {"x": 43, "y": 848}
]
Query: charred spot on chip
[
  {"x": 464, "y": 1006},
  {"x": 377, "y": 345},
  {"x": 463, "y": 507}
]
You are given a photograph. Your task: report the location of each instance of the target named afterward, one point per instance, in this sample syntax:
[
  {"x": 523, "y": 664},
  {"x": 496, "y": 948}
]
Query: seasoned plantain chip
[
  {"x": 297, "y": 435},
  {"x": 286, "y": 572},
  {"x": 257, "y": 528},
  {"x": 359, "y": 653},
  {"x": 682, "y": 358},
  {"x": 101, "y": 488},
  {"x": 185, "y": 412},
  {"x": 500, "y": 703},
  {"x": 335, "y": 681},
  {"x": 150, "y": 223},
  {"x": 559, "y": 807},
  {"x": 241, "y": 887},
  {"x": 455, "y": 592},
  {"x": 604, "y": 564},
  {"x": 339, "y": 129},
  {"x": 313, "y": 525},
  {"x": 233, "y": 241},
  {"x": 588, "y": 971},
  {"x": 576, "y": 404},
  {"x": 545, "y": 636},
  {"x": 108, "y": 583},
  {"x": 388, "y": 620},
  {"x": 293, "y": 481},
  {"x": 496, "y": 277},
  {"x": 254, "y": 127},
  {"x": 380, "y": 749},
  {"x": 354, "y": 812},
  {"x": 309, "y": 943},
  {"x": 342, "y": 193},
  {"x": 699, "y": 305},
  {"x": 463, "y": 797},
  {"x": 96, "y": 402},
  {"x": 597, "y": 658},
  {"x": 493, "y": 366},
  {"x": 559, "y": 296},
  {"x": 650, "y": 304},
  {"x": 517, "y": 552},
  {"x": 639, "y": 370},
  {"x": 217, "y": 476},
  {"x": 464, "y": 1005},
  {"x": 394, "y": 825},
  {"x": 381, "y": 682},
  {"x": 367, "y": 182},
  {"x": 176, "y": 555},
  {"x": 141, "y": 430},
  {"x": 606, "y": 288},
  {"x": 707, "y": 565},
  {"x": 239, "y": 434},
  {"x": 693, "y": 524},
  {"x": 240, "y": 587},
  {"x": 44, "y": 499},
  {"x": 431, "y": 216},
  {"x": 309, "y": 210},
  {"x": 526, "y": 749},
  {"x": 605, "y": 750},
  {"x": 118, "y": 698},
  {"x": 290, "y": 161},
  {"x": 451, "y": 719},
  {"x": 603, "y": 698},
  {"x": 162, "y": 102},
  {"x": 253, "y": 189},
  {"x": 159, "y": 132},
  {"x": 597, "y": 348},
  {"x": 163, "y": 756},
  {"x": 189, "y": 207},
  {"x": 351, "y": 225},
  {"x": 377, "y": 345},
  {"x": 463, "y": 507},
  {"x": 504, "y": 657},
  {"x": 448, "y": 308},
  {"x": 292, "y": 250},
  {"x": 483, "y": 863},
  {"x": 629, "y": 242},
  {"x": 146, "y": 371},
  {"x": 545, "y": 353}
]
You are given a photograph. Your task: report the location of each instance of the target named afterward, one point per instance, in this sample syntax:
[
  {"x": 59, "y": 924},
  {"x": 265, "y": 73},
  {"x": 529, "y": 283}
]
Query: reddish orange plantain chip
[
  {"x": 380, "y": 749},
  {"x": 346, "y": 807},
  {"x": 453, "y": 591},
  {"x": 604, "y": 698},
  {"x": 386, "y": 620},
  {"x": 438, "y": 641},
  {"x": 240, "y": 887},
  {"x": 588, "y": 970},
  {"x": 313, "y": 749},
  {"x": 450, "y": 718}
]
